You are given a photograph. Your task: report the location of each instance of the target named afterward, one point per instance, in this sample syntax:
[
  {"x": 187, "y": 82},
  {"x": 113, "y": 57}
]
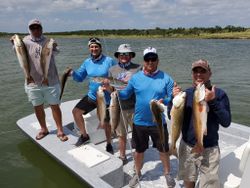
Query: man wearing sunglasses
[
  {"x": 123, "y": 71},
  {"x": 147, "y": 84},
  {"x": 205, "y": 163},
  {"x": 97, "y": 65},
  {"x": 38, "y": 92}
]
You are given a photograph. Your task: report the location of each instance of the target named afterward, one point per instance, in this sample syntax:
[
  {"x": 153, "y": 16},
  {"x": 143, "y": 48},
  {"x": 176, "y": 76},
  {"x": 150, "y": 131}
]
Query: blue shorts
[{"x": 38, "y": 95}]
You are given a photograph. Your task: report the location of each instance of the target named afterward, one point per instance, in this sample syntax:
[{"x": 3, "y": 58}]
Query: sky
[{"x": 72, "y": 15}]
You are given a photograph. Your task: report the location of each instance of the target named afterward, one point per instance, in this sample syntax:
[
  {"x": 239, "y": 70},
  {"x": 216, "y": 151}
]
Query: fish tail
[
  {"x": 198, "y": 148},
  {"x": 30, "y": 80},
  {"x": 173, "y": 151},
  {"x": 45, "y": 81}
]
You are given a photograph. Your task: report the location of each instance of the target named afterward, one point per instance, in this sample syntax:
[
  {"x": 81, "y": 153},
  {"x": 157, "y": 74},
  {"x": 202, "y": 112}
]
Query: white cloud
[{"x": 83, "y": 14}]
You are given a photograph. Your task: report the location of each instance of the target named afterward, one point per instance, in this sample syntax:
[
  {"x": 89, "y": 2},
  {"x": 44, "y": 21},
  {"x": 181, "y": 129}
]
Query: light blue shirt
[
  {"x": 146, "y": 88},
  {"x": 94, "y": 68}
]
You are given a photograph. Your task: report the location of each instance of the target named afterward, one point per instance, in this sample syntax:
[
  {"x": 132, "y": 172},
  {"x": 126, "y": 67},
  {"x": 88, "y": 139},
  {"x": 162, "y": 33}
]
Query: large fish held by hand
[
  {"x": 177, "y": 114},
  {"x": 46, "y": 55},
  {"x": 157, "y": 110},
  {"x": 101, "y": 106},
  {"x": 64, "y": 80},
  {"x": 114, "y": 112},
  {"x": 22, "y": 56},
  {"x": 200, "y": 110}
]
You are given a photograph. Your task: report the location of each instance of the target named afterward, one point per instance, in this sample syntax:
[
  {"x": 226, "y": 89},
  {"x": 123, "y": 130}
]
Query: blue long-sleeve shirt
[
  {"x": 145, "y": 89},
  {"x": 219, "y": 114},
  {"x": 94, "y": 68}
]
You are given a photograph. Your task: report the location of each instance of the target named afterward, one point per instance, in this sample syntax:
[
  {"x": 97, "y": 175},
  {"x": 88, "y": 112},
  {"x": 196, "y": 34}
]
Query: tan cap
[{"x": 201, "y": 63}]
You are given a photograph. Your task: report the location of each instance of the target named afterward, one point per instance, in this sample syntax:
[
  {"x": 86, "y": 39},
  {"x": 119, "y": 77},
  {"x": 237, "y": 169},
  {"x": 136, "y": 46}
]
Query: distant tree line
[{"x": 150, "y": 32}]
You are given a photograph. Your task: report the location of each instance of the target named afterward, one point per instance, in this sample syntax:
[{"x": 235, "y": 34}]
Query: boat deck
[{"x": 109, "y": 172}]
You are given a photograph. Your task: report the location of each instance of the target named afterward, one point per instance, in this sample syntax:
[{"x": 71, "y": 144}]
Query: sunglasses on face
[
  {"x": 150, "y": 59},
  {"x": 124, "y": 54},
  {"x": 201, "y": 71},
  {"x": 32, "y": 28}
]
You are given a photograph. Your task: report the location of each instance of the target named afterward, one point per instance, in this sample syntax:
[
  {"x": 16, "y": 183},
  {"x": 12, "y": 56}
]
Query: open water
[{"x": 23, "y": 164}]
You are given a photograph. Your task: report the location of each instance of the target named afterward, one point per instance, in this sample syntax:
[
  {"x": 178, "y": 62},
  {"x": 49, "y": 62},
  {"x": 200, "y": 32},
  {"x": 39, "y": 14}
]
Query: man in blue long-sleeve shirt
[
  {"x": 147, "y": 84},
  {"x": 97, "y": 65},
  {"x": 205, "y": 163}
]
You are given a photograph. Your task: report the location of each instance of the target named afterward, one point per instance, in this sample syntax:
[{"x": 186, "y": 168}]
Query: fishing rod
[{"x": 119, "y": 102}]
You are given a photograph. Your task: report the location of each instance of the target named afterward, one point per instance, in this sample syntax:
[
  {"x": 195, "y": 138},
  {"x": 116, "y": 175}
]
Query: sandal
[
  {"x": 62, "y": 137},
  {"x": 41, "y": 135}
]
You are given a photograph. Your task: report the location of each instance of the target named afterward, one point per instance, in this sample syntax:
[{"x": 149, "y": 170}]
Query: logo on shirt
[{"x": 37, "y": 52}]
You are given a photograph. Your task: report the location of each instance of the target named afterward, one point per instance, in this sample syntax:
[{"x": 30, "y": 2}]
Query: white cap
[
  {"x": 149, "y": 50},
  {"x": 34, "y": 22}
]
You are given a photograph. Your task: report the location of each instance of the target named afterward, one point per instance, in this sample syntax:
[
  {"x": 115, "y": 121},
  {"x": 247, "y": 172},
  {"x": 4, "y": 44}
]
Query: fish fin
[
  {"x": 202, "y": 91},
  {"x": 205, "y": 132},
  {"x": 197, "y": 148}
]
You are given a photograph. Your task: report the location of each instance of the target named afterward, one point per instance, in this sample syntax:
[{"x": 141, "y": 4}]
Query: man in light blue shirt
[
  {"x": 147, "y": 84},
  {"x": 97, "y": 65}
]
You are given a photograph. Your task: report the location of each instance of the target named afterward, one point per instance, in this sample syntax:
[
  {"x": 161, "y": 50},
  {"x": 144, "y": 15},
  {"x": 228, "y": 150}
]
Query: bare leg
[
  {"x": 138, "y": 162},
  {"x": 77, "y": 113},
  {"x": 40, "y": 114},
  {"x": 122, "y": 146},
  {"x": 164, "y": 156},
  {"x": 189, "y": 184},
  {"x": 57, "y": 115}
]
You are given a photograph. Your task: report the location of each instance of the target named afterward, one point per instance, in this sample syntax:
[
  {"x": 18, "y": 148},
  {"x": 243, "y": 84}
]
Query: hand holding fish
[
  {"x": 160, "y": 101},
  {"x": 106, "y": 85},
  {"x": 12, "y": 39},
  {"x": 176, "y": 89},
  {"x": 54, "y": 45},
  {"x": 210, "y": 94},
  {"x": 68, "y": 71}
]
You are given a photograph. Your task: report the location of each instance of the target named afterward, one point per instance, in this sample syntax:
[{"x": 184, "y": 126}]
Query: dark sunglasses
[
  {"x": 199, "y": 70},
  {"x": 124, "y": 54},
  {"x": 35, "y": 28},
  {"x": 152, "y": 59}
]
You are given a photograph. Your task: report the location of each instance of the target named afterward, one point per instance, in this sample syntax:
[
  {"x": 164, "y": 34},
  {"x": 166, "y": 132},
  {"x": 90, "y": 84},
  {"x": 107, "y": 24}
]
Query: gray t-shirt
[
  {"x": 124, "y": 73},
  {"x": 34, "y": 49}
]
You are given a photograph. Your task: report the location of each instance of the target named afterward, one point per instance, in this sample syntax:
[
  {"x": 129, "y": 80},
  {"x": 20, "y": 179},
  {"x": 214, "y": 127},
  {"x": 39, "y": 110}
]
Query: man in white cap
[
  {"x": 148, "y": 84},
  {"x": 203, "y": 163},
  {"x": 123, "y": 71},
  {"x": 37, "y": 89}
]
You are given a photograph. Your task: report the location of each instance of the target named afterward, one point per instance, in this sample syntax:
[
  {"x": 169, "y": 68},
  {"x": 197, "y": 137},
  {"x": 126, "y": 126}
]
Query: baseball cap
[
  {"x": 94, "y": 40},
  {"x": 150, "y": 53},
  {"x": 34, "y": 22},
  {"x": 201, "y": 63}
]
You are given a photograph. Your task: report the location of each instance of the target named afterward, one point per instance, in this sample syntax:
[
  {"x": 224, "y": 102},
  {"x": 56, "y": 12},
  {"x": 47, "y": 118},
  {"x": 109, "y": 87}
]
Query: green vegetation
[{"x": 217, "y": 32}]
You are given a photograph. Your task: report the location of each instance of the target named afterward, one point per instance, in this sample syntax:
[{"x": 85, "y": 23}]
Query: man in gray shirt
[
  {"x": 38, "y": 90},
  {"x": 123, "y": 71}
]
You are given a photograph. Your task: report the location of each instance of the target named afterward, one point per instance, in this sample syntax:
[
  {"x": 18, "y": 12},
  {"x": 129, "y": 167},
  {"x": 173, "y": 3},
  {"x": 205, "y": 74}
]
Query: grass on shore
[{"x": 223, "y": 35}]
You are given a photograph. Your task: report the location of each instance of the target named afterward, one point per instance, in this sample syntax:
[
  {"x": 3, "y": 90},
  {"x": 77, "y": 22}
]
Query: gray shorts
[
  {"x": 124, "y": 122},
  {"x": 206, "y": 165},
  {"x": 38, "y": 95}
]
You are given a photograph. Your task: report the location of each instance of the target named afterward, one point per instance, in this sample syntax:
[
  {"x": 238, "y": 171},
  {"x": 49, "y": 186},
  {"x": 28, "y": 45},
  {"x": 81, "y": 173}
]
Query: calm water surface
[{"x": 23, "y": 164}]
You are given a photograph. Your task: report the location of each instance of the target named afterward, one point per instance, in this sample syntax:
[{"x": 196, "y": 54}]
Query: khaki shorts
[
  {"x": 206, "y": 165},
  {"x": 124, "y": 122}
]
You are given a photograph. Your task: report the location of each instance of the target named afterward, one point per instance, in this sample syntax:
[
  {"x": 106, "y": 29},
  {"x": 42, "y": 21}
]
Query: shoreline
[{"x": 227, "y": 35}]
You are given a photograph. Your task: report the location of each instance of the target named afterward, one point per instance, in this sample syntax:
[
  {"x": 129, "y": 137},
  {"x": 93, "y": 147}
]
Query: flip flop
[
  {"x": 62, "y": 137},
  {"x": 41, "y": 135}
]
